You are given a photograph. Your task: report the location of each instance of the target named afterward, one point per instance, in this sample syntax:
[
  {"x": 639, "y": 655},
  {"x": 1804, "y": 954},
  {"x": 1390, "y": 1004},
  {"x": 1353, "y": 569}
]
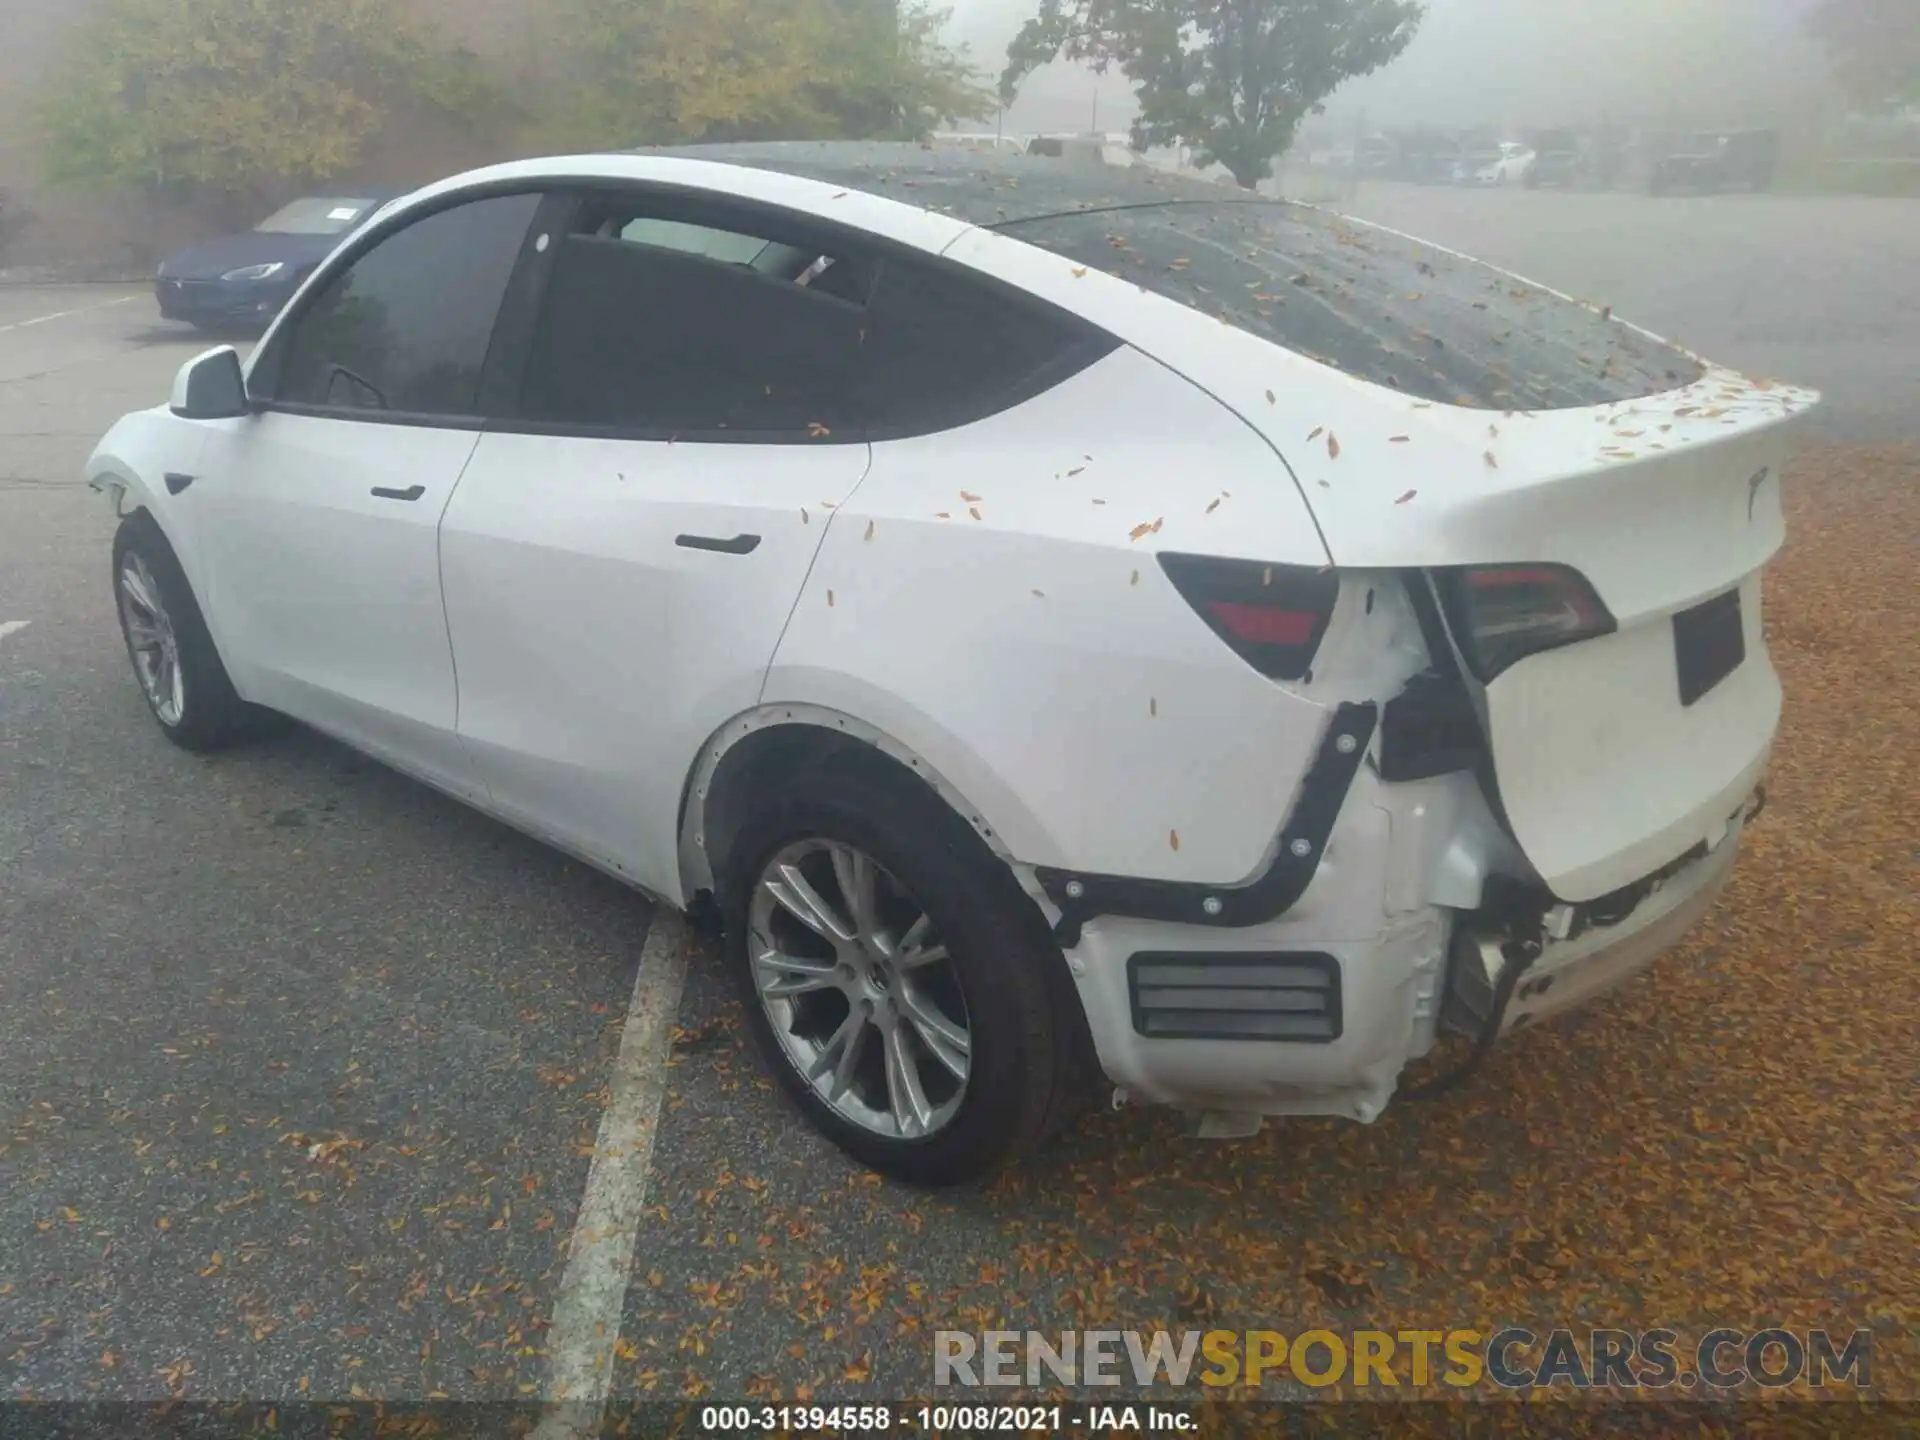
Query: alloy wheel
[
  {"x": 151, "y": 640},
  {"x": 860, "y": 992}
]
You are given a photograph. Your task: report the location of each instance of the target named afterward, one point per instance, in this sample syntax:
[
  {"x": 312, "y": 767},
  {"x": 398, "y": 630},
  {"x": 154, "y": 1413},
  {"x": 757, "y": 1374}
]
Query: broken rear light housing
[
  {"x": 1271, "y": 616},
  {"x": 1502, "y": 614}
]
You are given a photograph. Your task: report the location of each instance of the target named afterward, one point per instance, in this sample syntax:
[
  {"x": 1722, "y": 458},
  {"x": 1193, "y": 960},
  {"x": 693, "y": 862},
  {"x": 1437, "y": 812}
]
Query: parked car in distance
[
  {"x": 239, "y": 282},
  {"x": 1509, "y": 167},
  {"x": 1709, "y": 163},
  {"x": 1055, "y": 659}
]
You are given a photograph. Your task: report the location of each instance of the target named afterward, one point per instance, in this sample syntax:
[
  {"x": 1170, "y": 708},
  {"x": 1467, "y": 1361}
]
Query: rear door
[{"x": 629, "y": 540}]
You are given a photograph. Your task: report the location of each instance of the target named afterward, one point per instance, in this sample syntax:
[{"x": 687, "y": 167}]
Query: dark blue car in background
[{"x": 239, "y": 282}]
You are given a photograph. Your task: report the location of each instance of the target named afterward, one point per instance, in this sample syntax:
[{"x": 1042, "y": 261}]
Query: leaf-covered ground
[{"x": 1729, "y": 1140}]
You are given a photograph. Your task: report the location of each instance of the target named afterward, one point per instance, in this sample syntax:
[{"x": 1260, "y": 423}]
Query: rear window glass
[{"x": 1371, "y": 303}]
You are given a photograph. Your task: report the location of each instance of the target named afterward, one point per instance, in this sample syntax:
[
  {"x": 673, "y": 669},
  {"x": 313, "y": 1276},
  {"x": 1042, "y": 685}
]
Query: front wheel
[
  {"x": 174, "y": 659},
  {"x": 894, "y": 975}
]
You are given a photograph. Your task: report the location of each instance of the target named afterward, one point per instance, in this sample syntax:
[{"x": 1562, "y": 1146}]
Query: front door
[{"x": 320, "y": 514}]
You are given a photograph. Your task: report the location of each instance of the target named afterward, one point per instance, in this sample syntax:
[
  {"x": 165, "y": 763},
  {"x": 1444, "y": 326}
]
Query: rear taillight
[
  {"x": 1273, "y": 616},
  {"x": 1500, "y": 614}
]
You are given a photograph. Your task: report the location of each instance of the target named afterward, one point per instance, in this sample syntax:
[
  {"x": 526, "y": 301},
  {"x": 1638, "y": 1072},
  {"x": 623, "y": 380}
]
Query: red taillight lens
[
  {"x": 1273, "y": 616},
  {"x": 1501, "y": 614}
]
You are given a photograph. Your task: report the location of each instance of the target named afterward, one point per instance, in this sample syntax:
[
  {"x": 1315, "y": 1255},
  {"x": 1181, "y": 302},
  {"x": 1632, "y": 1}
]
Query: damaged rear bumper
[{"x": 1276, "y": 1019}]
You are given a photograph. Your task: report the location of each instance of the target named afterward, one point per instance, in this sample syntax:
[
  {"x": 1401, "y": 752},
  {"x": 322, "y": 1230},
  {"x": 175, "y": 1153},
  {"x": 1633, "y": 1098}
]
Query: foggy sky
[{"x": 1502, "y": 62}]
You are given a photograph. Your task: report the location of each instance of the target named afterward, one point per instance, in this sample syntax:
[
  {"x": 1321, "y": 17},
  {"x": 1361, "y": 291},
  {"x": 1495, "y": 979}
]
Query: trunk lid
[{"x": 1604, "y": 768}]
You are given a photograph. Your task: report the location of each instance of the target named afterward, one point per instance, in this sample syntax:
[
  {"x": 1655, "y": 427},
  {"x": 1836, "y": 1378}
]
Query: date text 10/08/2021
[{"x": 941, "y": 1419}]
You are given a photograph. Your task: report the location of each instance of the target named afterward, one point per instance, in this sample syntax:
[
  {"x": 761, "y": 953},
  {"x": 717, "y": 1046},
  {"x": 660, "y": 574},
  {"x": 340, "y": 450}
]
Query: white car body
[
  {"x": 1510, "y": 168},
  {"x": 987, "y": 604}
]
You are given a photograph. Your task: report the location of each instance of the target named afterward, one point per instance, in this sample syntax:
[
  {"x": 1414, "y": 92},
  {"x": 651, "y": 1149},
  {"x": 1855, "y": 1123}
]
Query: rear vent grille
[{"x": 1239, "y": 995}]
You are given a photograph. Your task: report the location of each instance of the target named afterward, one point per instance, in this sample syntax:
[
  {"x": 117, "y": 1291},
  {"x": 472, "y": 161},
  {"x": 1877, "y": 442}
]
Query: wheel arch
[
  {"x": 753, "y": 748},
  {"x": 748, "y": 752}
]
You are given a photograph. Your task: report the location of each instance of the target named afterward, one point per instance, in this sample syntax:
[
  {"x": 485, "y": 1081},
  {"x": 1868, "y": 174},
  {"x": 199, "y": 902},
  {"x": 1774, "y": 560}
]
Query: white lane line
[
  {"x": 593, "y": 1289},
  {"x": 63, "y": 314},
  {"x": 12, "y": 627}
]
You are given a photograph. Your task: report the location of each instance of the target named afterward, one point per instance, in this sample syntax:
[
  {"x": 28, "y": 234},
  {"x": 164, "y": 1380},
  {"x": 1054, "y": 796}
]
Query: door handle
[
  {"x": 738, "y": 545},
  {"x": 412, "y": 492}
]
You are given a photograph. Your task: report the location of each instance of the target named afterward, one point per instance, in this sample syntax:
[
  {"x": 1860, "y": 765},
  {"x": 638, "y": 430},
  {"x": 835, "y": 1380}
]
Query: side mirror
[{"x": 210, "y": 387}]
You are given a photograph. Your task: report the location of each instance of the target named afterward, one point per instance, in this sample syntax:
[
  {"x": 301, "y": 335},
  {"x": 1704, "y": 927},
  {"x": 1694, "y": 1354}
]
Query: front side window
[
  {"x": 655, "y": 324},
  {"x": 404, "y": 330}
]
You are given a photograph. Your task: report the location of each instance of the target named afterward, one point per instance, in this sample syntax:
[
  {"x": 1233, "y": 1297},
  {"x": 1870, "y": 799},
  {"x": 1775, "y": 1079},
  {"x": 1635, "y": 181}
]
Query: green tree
[
  {"x": 660, "y": 72},
  {"x": 892, "y": 75},
  {"x": 239, "y": 97},
  {"x": 1231, "y": 78},
  {"x": 1874, "y": 47}
]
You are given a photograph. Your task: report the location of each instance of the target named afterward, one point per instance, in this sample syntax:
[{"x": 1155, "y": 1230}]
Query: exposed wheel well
[{"x": 754, "y": 767}]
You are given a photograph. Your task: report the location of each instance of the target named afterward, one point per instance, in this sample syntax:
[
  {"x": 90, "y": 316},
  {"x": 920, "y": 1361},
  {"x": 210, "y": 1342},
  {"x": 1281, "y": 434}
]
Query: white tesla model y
[{"x": 1069, "y": 620}]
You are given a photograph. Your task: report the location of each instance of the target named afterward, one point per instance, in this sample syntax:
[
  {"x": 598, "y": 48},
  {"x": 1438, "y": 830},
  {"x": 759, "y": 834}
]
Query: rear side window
[
  {"x": 658, "y": 326},
  {"x": 943, "y": 349},
  {"x": 405, "y": 328}
]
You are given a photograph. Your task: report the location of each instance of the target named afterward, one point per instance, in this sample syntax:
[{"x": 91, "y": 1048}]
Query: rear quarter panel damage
[{"x": 1001, "y": 577}]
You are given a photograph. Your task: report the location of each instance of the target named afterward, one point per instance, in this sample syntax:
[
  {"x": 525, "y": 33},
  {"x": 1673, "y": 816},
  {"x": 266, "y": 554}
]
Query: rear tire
[
  {"x": 993, "y": 983},
  {"x": 180, "y": 672}
]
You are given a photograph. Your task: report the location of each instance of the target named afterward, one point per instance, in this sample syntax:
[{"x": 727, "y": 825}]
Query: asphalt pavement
[{"x": 302, "y": 1065}]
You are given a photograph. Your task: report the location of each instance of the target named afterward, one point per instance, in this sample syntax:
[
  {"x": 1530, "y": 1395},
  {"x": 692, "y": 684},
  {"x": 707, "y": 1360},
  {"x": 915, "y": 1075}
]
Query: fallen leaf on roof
[
  {"x": 841, "y": 196},
  {"x": 943, "y": 514},
  {"x": 974, "y": 510},
  {"x": 1317, "y": 432},
  {"x": 1040, "y": 594},
  {"x": 1406, "y": 497},
  {"x": 1492, "y": 463},
  {"x": 969, "y": 496},
  {"x": 1136, "y": 578},
  {"x": 1158, "y": 523},
  {"x": 1270, "y": 397},
  {"x": 1077, "y": 274},
  {"x": 1333, "y": 446},
  {"x": 1099, "y": 502},
  {"x": 1173, "y": 838},
  {"x": 805, "y": 519},
  {"x": 1213, "y": 507},
  {"x": 1077, "y": 470},
  {"x": 1326, "y": 484},
  {"x": 1136, "y": 533},
  {"x": 829, "y": 597},
  {"x": 1417, "y": 295},
  {"x": 869, "y": 534}
]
